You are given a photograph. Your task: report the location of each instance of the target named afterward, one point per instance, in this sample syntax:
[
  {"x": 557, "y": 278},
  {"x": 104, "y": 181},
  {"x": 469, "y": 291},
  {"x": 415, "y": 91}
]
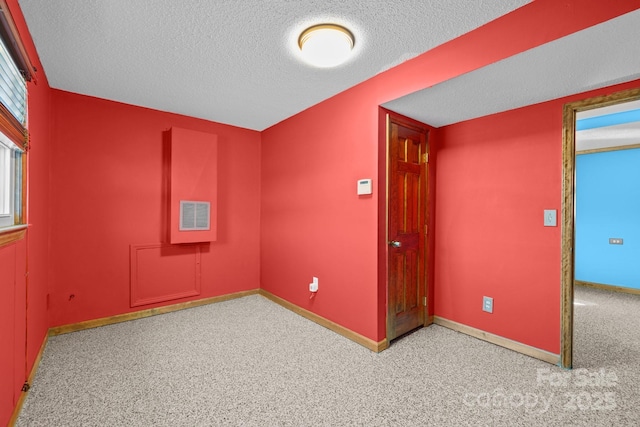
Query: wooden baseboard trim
[
  {"x": 347, "y": 333},
  {"x": 89, "y": 324},
  {"x": 382, "y": 345},
  {"x": 32, "y": 374},
  {"x": 608, "y": 287},
  {"x": 498, "y": 340}
]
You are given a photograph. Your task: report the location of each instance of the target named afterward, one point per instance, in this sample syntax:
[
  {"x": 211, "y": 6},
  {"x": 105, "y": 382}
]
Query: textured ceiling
[
  {"x": 598, "y": 56},
  {"x": 233, "y": 61}
]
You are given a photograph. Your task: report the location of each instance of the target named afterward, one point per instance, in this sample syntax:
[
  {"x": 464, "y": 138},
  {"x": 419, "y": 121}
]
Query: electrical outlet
[
  {"x": 313, "y": 286},
  {"x": 615, "y": 241},
  {"x": 487, "y": 304}
]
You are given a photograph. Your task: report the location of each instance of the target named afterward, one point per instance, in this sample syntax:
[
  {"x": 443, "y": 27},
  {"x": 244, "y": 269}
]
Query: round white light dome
[{"x": 326, "y": 45}]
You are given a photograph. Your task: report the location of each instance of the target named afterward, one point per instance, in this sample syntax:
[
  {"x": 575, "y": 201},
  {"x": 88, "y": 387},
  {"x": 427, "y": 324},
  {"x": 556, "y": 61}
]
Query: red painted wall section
[
  {"x": 8, "y": 313},
  {"x": 313, "y": 224},
  {"x": 12, "y": 325},
  {"x": 109, "y": 177},
  {"x": 28, "y": 322},
  {"x": 20, "y": 318},
  {"x": 194, "y": 177},
  {"x": 38, "y": 213},
  {"x": 495, "y": 177}
]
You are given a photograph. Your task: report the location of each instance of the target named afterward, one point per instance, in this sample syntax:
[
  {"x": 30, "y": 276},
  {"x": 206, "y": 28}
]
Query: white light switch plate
[{"x": 550, "y": 217}]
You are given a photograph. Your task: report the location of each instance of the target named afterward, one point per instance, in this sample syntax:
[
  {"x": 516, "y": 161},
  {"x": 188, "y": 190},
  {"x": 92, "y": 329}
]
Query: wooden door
[{"x": 406, "y": 256}]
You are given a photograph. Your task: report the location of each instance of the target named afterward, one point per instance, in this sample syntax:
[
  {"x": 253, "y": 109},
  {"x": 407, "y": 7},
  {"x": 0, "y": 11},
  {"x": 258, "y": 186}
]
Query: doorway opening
[{"x": 571, "y": 111}]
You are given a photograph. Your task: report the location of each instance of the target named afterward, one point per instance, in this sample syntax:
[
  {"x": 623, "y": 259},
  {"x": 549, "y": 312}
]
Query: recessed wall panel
[{"x": 161, "y": 272}]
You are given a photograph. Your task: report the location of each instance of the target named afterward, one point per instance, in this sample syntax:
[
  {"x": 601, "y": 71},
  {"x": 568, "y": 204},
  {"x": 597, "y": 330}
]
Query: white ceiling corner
[{"x": 232, "y": 61}]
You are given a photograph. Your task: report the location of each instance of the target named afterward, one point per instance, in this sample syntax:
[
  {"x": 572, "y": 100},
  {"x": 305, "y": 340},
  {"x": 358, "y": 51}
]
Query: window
[
  {"x": 15, "y": 71},
  {"x": 13, "y": 96},
  {"x": 13, "y": 88},
  {"x": 10, "y": 182}
]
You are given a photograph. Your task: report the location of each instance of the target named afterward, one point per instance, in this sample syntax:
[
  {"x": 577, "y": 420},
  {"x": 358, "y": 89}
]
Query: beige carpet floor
[{"x": 250, "y": 362}]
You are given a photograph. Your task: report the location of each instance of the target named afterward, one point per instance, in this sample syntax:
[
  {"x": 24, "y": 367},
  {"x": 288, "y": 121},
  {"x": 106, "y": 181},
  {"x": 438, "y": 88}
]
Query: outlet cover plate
[{"x": 487, "y": 304}]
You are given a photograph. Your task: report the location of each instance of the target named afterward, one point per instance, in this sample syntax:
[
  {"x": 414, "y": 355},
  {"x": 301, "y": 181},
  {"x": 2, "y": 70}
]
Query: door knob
[{"x": 395, "y": 243}]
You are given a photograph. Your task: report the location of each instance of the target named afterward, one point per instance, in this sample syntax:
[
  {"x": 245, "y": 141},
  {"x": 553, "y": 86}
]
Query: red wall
[
  {"x": 38, "y": 213},
  {"x": 7, "y": 332},
  {"x": 495, "y": 177},
  {"x": 313, "y": 224},
  {"x": 23, "y": 297},
  {"x": 12, "y": 325},
  {"x": 109, "y": 175}
]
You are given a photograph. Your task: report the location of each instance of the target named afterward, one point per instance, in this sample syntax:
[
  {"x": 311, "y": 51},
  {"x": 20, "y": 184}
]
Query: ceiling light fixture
[{"x": 326, "y": 45}]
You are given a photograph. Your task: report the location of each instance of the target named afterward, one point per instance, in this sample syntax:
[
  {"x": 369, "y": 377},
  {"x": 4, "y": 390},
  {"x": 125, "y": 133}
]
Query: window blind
[{"x": 13, "y": 88}]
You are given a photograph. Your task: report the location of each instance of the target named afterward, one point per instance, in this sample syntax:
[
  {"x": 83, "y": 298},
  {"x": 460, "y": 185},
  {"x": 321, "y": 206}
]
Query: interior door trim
[{"x": 568, "y": 210}]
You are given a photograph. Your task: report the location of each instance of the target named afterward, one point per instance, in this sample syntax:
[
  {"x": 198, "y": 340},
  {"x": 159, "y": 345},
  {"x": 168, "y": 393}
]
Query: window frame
[
  {"x": 15, "y": 131},
  {"x": 7, "y": 183},
  {"x": 11, "y": 186}
]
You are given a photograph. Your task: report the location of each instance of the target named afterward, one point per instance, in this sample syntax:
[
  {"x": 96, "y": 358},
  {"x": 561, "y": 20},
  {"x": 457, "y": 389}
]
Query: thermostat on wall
[{"x": 364, "y": 186}]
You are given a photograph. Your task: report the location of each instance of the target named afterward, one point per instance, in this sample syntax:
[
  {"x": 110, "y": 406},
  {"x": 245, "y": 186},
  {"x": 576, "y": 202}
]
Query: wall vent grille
[{"x": 194, "y": 215}]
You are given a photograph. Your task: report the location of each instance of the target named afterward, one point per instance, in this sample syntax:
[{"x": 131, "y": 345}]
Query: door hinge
[
  {"x": 424, "y": 301},
  {"x": 425, "y": 158},
  {"x": 426, "y": 229}
]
